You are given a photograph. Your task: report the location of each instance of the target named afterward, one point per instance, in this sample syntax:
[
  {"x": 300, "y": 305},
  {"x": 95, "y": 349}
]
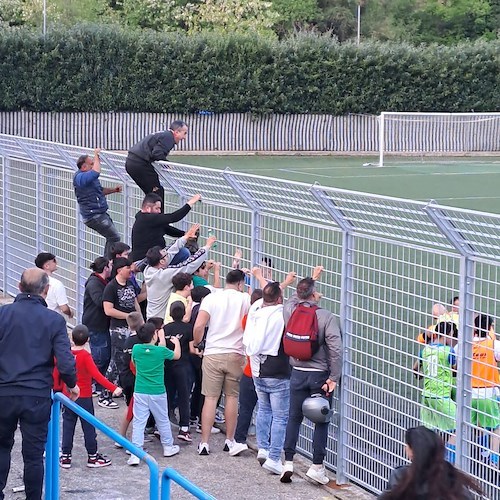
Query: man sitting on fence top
[
  {"x": 91, "y": 197},
  {"x": 154, "y": 147},
  {"x": 151, "y": 225},
  {"x": 317, "y": 374}
]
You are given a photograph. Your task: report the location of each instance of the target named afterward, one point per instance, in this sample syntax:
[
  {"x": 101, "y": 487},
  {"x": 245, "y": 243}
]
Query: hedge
[{"x": 106, "y": 68}]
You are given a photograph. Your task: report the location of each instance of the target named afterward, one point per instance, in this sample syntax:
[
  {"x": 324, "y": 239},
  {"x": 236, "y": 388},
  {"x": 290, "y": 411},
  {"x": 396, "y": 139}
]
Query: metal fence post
[
  {"x": 5, "y": 222},
  {"x": 466, "y": 317},
  {"x": 254, "y": 205},
  {"x": 346, "y": 325}
]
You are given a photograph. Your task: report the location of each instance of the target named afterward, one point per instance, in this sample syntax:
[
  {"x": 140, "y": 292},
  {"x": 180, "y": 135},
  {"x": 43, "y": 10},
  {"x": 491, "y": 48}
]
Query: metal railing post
[
  {"x": 170, "y": 475},
  {"x": 466, "y": 317},
  {"x": 254, "y": 205},
  {"x": 348, "y": 257},
  {"x": 54, "y": 456}
]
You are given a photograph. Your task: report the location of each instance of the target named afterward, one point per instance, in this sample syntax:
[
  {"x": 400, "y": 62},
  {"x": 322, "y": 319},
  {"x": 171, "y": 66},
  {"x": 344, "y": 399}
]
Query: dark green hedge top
[{"x": 106, "y": 68}]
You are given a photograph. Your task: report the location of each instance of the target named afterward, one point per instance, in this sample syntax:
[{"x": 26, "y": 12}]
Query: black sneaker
[
  {"x": 65, "y": 461},
  {"x": 98, "y": 460},
  {"x": 107, "y": 403}
]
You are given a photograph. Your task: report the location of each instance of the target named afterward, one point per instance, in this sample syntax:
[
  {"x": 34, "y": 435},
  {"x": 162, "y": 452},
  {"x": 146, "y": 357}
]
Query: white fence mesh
[{"x": 387, "y": 261}]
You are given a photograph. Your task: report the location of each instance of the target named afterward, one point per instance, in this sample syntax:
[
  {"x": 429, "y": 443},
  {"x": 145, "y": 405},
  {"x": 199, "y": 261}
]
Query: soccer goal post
[{"x": 438, "y": 134}]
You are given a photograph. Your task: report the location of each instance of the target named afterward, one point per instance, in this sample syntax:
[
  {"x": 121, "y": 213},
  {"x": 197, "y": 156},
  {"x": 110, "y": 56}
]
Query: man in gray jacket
[{"x": 319, "y": 374}]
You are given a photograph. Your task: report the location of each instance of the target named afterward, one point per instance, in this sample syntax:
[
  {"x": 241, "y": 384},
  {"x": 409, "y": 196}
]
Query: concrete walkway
[{"x": 219, "y": 474}]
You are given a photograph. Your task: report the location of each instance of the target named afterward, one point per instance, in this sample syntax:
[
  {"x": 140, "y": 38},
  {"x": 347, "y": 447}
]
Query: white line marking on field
[
  {"x": 470, "y": 198},
  {"x": 406, "y": 174}
]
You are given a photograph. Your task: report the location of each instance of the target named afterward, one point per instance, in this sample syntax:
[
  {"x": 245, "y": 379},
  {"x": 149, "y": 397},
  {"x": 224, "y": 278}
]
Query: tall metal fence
[{"x": 387, "y": 262}]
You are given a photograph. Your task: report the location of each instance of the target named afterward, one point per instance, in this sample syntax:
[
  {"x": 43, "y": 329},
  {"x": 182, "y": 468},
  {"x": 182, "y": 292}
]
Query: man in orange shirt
[{"x": 485, "y": 381}]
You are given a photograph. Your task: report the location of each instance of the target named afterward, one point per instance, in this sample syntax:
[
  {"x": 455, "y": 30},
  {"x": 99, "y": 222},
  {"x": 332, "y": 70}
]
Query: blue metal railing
[
  {"x": 170, "y": 475},
  {"x": 52, "y": 450}
]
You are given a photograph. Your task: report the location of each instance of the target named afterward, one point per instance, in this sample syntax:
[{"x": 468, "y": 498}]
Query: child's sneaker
[
  {"x": 170, "y": 451},
  {"x": 65, "y": 461},
  {"x": 133, "y": 460},
  {"x": 185, "y": 436},
  {"x": 107, "y": 403},
  {"x": 98, "y": 460}
]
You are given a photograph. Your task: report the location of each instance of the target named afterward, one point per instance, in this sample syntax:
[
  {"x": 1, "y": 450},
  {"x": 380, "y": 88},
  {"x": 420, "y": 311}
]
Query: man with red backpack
[{"x": 313, "y": 341}]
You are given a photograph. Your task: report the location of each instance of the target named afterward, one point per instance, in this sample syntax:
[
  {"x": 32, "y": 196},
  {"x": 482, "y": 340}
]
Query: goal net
[{"x": 438, "y": 134}]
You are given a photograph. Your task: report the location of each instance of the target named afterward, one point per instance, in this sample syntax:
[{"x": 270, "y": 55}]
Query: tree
[
  {"x": 229, "y": 16},
  {"x": 294, "y": 14}
]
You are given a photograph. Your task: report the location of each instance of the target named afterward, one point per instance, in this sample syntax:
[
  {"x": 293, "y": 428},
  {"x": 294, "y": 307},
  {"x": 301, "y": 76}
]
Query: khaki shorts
[{"x": 222, "y": 372}]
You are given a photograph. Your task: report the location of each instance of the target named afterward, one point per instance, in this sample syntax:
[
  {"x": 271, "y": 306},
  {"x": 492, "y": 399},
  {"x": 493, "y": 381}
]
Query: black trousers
[
  {"x": 145, "y": 176},
  {"x": 32, "y": 414},
  {"x": 302, "y": 385},
  {"x": 178, "y": 381},
  {"x": 247, "y": 401},
  {"x": 197, "y": 398},
  {"x": 69, "y": 423}
]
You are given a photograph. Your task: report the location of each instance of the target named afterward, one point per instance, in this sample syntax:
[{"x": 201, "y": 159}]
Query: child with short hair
[
  {"x": 86, "y": 371},
  {"x": 178, "y": 374},
  {"x": 127, "y": 376},
  {"x": 149, "y": 389}
]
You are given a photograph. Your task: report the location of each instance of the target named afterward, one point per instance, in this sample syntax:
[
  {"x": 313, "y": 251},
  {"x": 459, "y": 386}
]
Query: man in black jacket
[
  {"x": 151, "y": 225},
  {"x": 154, "y": 147},
  {"x": 30, "y": 337}
]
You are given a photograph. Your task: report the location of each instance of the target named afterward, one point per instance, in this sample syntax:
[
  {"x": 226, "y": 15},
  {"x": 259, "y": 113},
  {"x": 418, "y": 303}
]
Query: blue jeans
[
  {"x": 302, "y": 385},
  {"x": 100, "y": 347},
  {"x": 247, "y": 400},
  {"x": 103, "y": 224},
  {"x": 272, "y": 414},
  {"x": 182, "y": 255}
]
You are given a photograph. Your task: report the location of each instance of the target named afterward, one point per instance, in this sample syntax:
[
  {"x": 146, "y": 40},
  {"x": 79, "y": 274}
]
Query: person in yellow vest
[{"x": 485, "y": 381}]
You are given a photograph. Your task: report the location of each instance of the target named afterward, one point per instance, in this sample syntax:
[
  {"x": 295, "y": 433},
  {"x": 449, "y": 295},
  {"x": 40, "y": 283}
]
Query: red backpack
[{"x": 300, "y": 340}]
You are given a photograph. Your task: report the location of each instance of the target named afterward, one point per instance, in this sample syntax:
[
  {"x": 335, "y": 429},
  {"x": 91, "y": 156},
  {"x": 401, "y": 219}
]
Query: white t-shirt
[
  {"x": 56, "y": 297},
  {"x": 225, "y": 333}
]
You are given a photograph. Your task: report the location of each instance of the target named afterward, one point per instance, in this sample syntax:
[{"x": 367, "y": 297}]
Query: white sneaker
[
  {"x": 170, "y": 451},
  {"x": 213, "y": 430},
  {"x": 237, "y": 448},
  {"x": 286, "y": 475},
  {"x": 318, "y": 474},
  {"x": 203, "y": 449},
  {"x": 262, "y": 456},
  {"x": 274, "y": 466},
  {"x": 228, "y": 444},
  {"x": 133, "y": 460}
]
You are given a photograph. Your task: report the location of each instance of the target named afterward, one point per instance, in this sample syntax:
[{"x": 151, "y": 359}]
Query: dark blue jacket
[
  {"x": 30, "y": 336},
  {"x": 89, "y": 193}
]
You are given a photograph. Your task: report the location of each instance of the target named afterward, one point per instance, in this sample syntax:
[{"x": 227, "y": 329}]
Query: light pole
[
  {"x": 359, "y": 23},
  {"x": 44, "y": 29}
]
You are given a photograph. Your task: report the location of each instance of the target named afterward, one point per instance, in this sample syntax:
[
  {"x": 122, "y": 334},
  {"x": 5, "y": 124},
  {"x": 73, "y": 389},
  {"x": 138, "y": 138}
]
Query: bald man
[{"x": 30, "y": 337}]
